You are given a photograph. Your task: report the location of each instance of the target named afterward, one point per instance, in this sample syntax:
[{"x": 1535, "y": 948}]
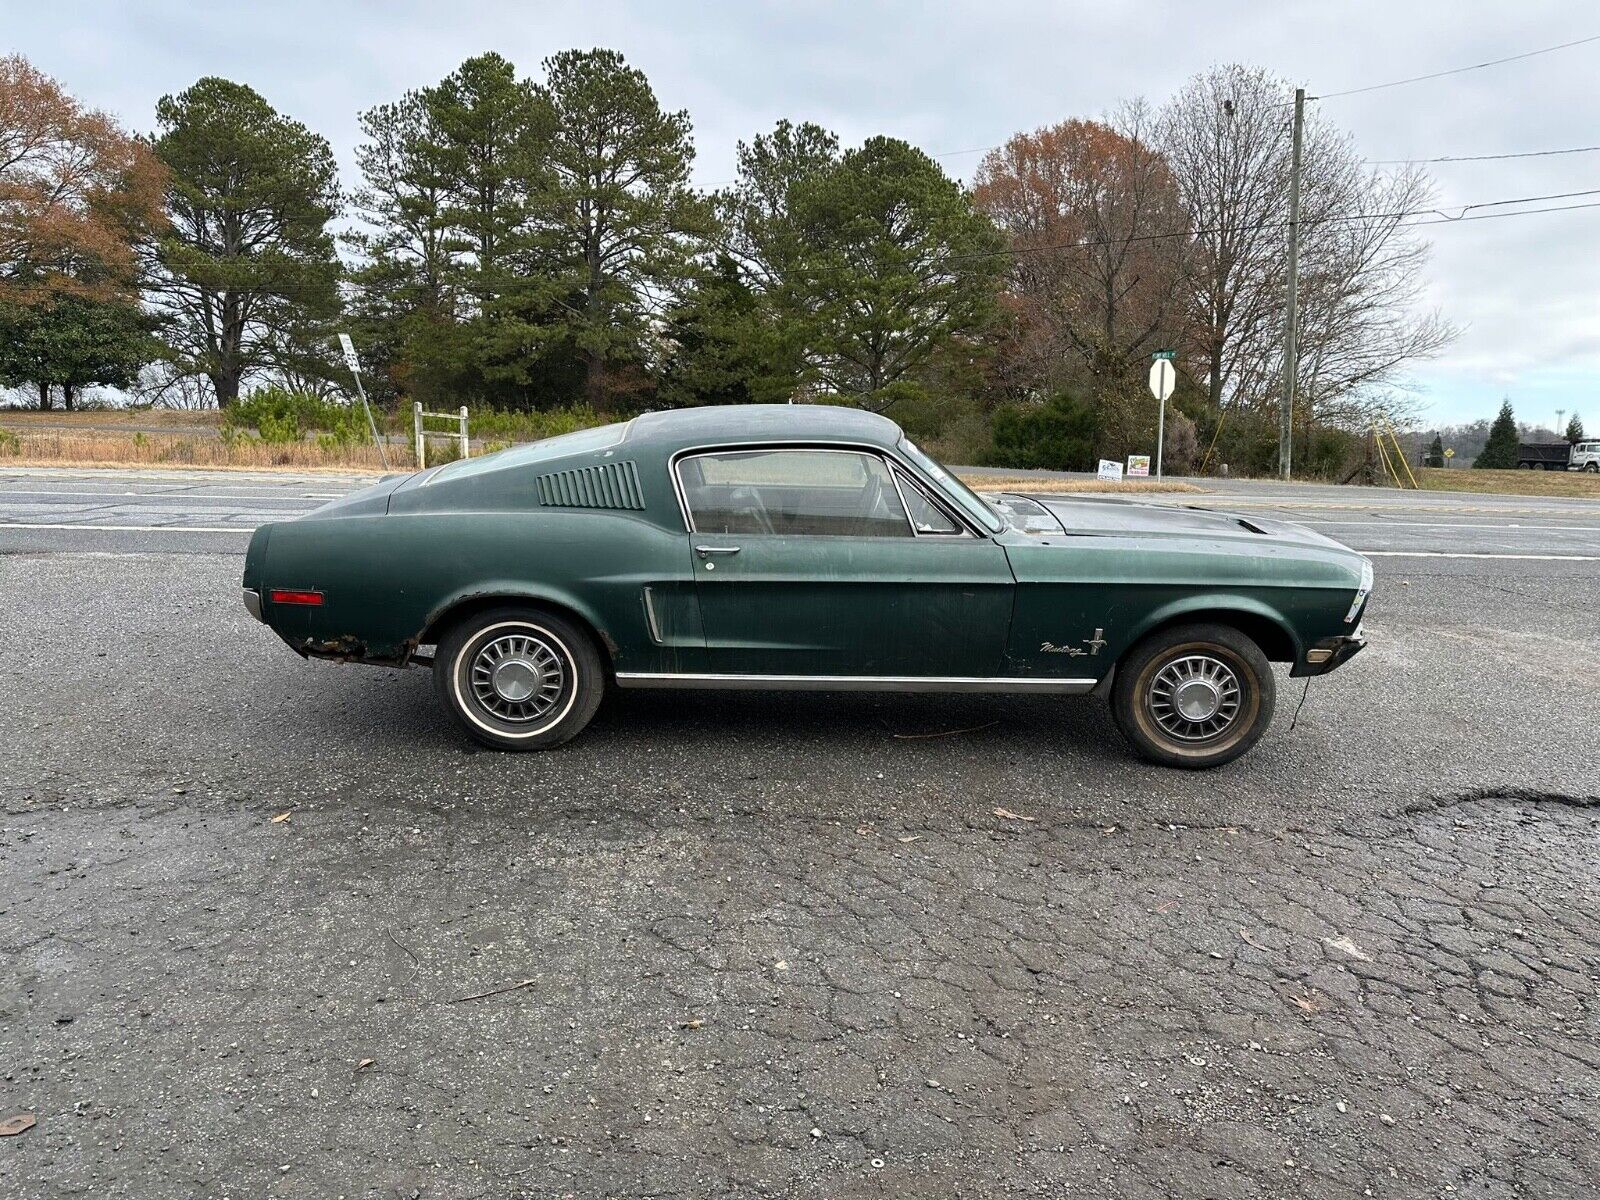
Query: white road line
[
  {"x": 134, "y": 528},
  {"x": 1467, "y": 554},
  {"x": 1449, "y": 525},
  {"x": 217, "y": 495}
]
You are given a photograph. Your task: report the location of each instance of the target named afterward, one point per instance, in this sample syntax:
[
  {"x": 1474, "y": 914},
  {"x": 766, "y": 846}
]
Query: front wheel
[
  {"x": 518, "y": 678},
  {"x": 1194, "y": 696}
]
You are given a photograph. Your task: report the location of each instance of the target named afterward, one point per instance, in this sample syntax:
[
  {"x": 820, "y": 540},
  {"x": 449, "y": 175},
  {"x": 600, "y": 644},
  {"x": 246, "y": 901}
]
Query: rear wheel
[
  {"x": 1194, "y": 695},
  {"x": 519, "y": 678}
]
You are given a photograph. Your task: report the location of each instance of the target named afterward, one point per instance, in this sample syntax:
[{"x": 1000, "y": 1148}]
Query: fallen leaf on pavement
[
  {"x": 20, "y": 1123},
  {"x": 1006, "y": 814},
  {"x": 282, "y": 817},
  {"x": 1345, "y": 945},
  {"x": 696, "y": 1023},
  {"x": 364, "y": 1064},
  {"x": 1250, "y": 941},
  {"x": 906, "y": 841}
]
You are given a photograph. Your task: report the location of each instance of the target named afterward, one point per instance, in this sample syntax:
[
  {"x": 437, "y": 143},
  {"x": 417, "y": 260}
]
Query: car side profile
[{"x": 800, "y": 547}]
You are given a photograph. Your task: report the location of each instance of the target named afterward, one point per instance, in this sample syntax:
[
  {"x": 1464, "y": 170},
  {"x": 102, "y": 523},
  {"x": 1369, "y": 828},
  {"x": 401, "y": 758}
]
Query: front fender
[{"x": 1218, "y": 605}]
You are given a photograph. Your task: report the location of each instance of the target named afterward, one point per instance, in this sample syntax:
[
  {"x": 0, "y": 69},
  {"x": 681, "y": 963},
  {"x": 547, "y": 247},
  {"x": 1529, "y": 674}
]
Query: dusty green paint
[{"x": 1038, "y": 599}]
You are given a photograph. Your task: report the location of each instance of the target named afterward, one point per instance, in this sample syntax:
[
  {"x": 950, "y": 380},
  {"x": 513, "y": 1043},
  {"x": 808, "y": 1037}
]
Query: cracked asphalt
[{"x": 783, "y": 945}]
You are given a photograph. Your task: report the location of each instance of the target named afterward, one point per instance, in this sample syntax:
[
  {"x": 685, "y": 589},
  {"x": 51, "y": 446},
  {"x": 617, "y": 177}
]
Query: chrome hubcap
[
  {"x": 517, "y": 677},
  {"x": 1195, "y": 698}
]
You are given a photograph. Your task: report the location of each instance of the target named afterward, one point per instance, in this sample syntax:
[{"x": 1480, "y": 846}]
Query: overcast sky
[{"x": 952, "y": 77}]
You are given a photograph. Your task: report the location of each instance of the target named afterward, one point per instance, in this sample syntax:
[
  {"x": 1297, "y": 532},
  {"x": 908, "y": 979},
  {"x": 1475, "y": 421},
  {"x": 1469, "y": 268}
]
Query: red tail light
[{"x": 291, "y": 596}]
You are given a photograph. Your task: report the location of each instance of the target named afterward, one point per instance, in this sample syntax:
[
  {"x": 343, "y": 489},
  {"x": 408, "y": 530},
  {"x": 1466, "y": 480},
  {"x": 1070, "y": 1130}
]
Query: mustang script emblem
[{"x": 1093, "y": 643}]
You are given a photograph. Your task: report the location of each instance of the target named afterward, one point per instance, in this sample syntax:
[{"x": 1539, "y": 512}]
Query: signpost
[
  {"x": 1162, "y": 380},
  {"x": 347, "y": 347},
  {"x": 1449, "y": 453}
]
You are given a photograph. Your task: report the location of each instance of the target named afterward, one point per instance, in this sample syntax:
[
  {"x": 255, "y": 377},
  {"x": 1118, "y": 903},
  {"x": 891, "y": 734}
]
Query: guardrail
[{"x": 421, "y": 433}]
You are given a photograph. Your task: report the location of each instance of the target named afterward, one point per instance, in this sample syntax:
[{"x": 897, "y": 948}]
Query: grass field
[
  {"x": 1577, "y": 484},
  {"x": 95, "y": 448}
]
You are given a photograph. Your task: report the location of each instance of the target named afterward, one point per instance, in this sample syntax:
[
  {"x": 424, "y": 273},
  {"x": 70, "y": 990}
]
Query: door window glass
[
  {"x": 828, "y": 493},
  {"x": 926, "y": 516}
]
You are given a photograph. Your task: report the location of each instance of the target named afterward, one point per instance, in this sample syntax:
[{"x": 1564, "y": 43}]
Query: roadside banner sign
[
  {"x": 350, "y": 359},
  {"x": 1110, "y": 470},
  {"x": 1138, "y": 465}
]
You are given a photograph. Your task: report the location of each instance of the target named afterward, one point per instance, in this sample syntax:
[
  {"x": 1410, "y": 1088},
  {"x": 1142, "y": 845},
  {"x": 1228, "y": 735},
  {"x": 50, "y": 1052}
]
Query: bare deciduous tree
[
  {"x": 1226, "y": 136},
  {"x": 1361, "y": 283}
]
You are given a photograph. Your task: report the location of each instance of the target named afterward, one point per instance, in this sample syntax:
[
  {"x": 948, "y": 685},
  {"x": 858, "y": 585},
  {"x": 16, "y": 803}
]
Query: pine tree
[
  {"x": 1500, "y": 451},
  {"x": 1435, "y": 456},
  {"x": 618, "y": 223},
  {"x": 1575, "y": 430},
  {"x": 248, "y": 255}
]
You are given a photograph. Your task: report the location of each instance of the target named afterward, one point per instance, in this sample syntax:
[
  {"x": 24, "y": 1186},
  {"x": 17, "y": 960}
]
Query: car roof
[{"x": 682, "y": 428}]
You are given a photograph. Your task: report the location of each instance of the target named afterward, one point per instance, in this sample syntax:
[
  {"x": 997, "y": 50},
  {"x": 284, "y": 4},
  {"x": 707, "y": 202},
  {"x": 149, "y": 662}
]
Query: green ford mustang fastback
[{"x": 801, "y": 547}]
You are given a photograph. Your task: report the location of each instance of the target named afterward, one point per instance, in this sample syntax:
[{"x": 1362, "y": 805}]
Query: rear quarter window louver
[{"x": 614, "y": 485}]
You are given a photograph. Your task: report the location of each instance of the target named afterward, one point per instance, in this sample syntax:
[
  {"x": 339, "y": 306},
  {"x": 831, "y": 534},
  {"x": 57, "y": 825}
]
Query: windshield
[{"x": 965, "y": 496}]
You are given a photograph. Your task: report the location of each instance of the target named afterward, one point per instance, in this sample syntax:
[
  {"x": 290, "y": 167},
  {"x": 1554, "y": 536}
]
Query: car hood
[{"x": 1096, "y": 517}]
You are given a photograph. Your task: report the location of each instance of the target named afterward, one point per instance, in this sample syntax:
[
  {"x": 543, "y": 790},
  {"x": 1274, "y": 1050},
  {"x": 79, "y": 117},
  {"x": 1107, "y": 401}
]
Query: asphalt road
[{"x": 784, "y": 945}]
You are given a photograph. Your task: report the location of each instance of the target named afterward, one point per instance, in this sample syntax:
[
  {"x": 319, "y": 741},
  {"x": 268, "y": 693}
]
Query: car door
[{"x": 807, "y": 564}]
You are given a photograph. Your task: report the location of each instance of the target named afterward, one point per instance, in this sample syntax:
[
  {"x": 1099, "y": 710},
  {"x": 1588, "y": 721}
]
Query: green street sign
[{"x": 1166, "y": 354}]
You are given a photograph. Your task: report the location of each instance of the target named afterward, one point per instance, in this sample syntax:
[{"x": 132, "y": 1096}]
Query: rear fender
[{"x": 484, "y": 594}]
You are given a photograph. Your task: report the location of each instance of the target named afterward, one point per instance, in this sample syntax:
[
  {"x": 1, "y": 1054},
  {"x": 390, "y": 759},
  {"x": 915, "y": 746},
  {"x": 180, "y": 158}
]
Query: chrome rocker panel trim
[{"x": 851, "y": 683}]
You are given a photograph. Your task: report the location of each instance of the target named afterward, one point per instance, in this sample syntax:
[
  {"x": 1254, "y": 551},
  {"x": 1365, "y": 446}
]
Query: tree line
[{"x": 535, "y": 243}]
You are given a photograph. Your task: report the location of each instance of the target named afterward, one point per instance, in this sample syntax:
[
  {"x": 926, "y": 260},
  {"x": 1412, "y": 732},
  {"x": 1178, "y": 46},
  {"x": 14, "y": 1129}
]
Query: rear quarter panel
[{"x": 386, "y": 579}]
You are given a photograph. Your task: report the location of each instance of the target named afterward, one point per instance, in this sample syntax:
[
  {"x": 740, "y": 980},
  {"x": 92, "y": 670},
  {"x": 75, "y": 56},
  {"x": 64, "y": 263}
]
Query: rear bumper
[
  {"x": 1329, "y": 654},
  {"x": 252, "y": 603}
]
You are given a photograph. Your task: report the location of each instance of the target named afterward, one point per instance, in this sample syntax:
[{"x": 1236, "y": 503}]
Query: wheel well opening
[
  {"x": 1274, "y": 639},
  {"x": 464, "y": 609}
]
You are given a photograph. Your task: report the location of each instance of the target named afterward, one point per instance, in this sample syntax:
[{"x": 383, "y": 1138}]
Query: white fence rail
[{"x": 422, "y": 433}]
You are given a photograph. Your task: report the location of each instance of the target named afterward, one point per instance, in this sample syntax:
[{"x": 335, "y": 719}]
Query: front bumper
[{"x": 1329, "y": 654}]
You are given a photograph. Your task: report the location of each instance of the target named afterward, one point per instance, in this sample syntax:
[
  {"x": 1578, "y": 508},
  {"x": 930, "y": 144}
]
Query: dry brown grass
[
  {"x": 1576, "y": 484},
  {"x": 1032, "y": 483},
  {"x": 113, "y": 419},
  {"x": 100, "y": 449},
  {"x": 97, "y": 447}
]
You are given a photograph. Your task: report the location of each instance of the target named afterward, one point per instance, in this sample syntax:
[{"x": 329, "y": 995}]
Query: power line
[
  {"x": 1375, "y": 162},
  {"x": 1443, "y": 218},
  {"x": 1455, "y": 158},
  {"x": 1493, "y": 62}
]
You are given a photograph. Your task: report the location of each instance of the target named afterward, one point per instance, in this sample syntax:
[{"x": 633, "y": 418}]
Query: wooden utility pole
[{"x": 1292, "y": 315}]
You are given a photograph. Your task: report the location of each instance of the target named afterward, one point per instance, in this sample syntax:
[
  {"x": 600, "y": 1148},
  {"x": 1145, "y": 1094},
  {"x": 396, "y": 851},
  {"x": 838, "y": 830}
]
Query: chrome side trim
[
  {"x": 650, "y": 616},
  {"x": 851, "y": 683},
  {"x": 252, "y": 602}
]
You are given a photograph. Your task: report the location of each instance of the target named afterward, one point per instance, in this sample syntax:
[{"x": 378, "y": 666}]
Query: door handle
[{"x": 708, "y": 551}]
